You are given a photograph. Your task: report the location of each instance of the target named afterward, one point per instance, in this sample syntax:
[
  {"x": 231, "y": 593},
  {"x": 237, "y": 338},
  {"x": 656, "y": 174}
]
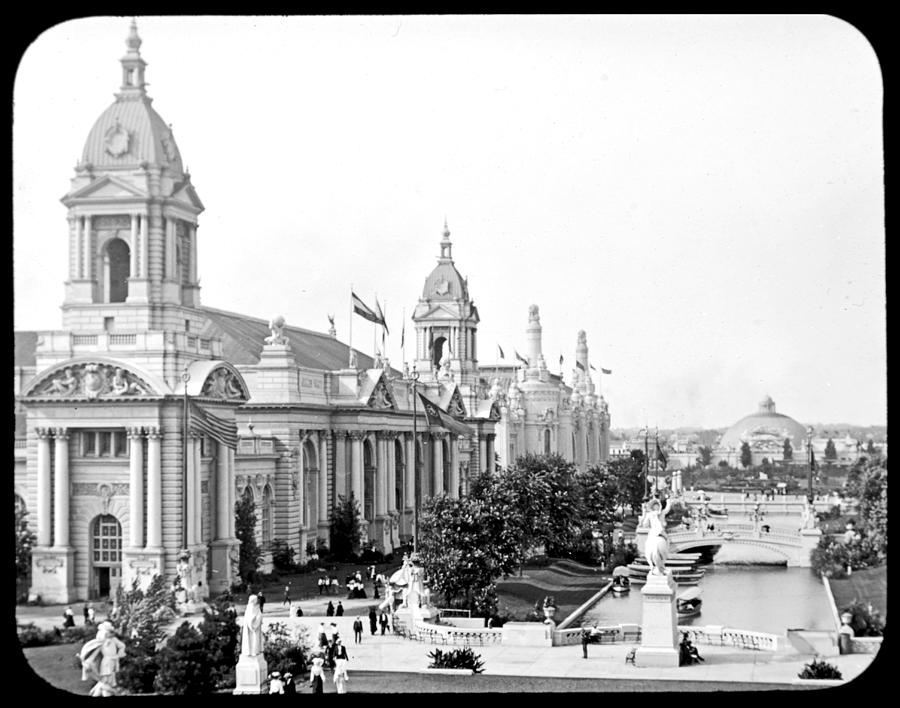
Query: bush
[
  {"x": 283, "y": 556},
  {"x": 32, "y": 636},
  {"x": 287, "y": 650},
  {"x": 139, "y": 667},
  {"x": 867, "y": 621},
  {"x": 463, "y": 658},
  {"x": 220, "y": 631},
  {"x": 184, "y": 666},
  {"x": 820, "y": 670},
  {"x": 371, "y": 556}
]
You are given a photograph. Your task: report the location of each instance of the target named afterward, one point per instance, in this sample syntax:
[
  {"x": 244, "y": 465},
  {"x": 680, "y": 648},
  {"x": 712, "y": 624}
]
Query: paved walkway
[{"x": 394, "y": 653}]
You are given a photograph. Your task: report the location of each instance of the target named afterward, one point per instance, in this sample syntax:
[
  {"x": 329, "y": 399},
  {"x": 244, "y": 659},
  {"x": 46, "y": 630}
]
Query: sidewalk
[{"x": 394, "y": 653}]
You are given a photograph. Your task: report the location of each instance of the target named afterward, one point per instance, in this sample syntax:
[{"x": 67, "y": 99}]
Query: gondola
[
  {"x": 688, "y": 603},
  {"x": 621, "y": 582}
]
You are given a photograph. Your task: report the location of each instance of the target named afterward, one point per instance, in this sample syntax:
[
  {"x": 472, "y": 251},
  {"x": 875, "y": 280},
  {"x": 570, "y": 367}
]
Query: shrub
[
  {"x": 867, "y": 621},
  {"x": 287, "y": 650},
  {"x": 184, "y": 666},
  {"x": 139, "y": 667},
  {"x": 283, "y": 556},
  {"x": 220, "y": 632},
  {"x": 820, "y": 670},
  {"x": 81, "y": 633},
  {"x": 463, "y": 658},
  {"x": 32, "y": 636}
]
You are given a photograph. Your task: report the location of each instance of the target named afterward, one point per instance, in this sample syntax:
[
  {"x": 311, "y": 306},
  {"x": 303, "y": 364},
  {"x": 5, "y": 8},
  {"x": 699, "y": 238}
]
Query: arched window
[
  {"x": 546, "y": 442},
  {"x": 368, "y": 481},
  {"x": 438, "y": 350},
  {"x": 266, "y": 516},
  {"x": 399, "y": 469},
  {"x": 118, "y": 261}
]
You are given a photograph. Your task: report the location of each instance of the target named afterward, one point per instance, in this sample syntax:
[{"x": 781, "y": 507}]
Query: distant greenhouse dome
[{"x": 765, "y": 431}]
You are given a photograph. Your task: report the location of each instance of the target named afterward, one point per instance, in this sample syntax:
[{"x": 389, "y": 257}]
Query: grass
[
  {"x": 570, "y": 584},
  {"x": 869, "y": 585}
]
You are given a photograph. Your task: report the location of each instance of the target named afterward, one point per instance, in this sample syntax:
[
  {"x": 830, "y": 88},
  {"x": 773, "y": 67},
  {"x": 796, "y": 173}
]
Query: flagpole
[
  {"x": 809, "y": 461},
  {"x": 351, "y": 325},
  {"x": 414, "y": 378},
  {"x": 185, "y": 377},
  {"x": 646, "y": 461}
]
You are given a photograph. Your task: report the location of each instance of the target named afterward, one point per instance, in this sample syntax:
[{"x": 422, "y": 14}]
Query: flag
[
  {"x": 500, "y": 352},
  {"x": 560, "y": 361},
  {"x": 403, "y": 334},
  {"x": 660, "y": 457},
  {"x": 522, "y": 359},
  {"x": 219, "y": 429},
  {"x": 381, "y": 317},
  {"x": 606, "y": 371},
  {"x": 812, "y": 458},
  {"x": 363, "y": 310},
  {"x": 430, "y": 342},
  {"x": 579, "y": 365},
  {"x": 593, "y": 367},
  {"x": 441, "y": 418}
]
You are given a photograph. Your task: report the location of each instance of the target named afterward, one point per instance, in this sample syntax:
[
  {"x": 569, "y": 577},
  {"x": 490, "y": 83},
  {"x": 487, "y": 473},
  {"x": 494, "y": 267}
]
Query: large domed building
[{"x": 765, "y": 431}]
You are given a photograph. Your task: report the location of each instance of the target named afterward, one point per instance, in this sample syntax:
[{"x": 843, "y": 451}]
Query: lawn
[
  {"x": 571, "y": 585},
  {"x": 869, "y": 585}
]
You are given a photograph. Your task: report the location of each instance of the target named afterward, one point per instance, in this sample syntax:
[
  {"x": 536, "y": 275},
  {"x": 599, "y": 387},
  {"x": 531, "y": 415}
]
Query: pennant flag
[
  {"x": 593, "y": 367},
  {"x": 363, "y": 310},
  {"x": 579, "y": 365},
  {"x": 522, "y": 359},
  {"x": 442, "y": 419},
  {"x": 381, "y": 317},
  {"x": 500, "y": 351},
  {"x": 812, "y": 458},
  {"x": 606, "y": 371},
  {"x": 403, "y": 334},
  {"x": 219, "y": 429},
  {"x": 560, "y": 360},
  {"x": 660, "y": 457}
]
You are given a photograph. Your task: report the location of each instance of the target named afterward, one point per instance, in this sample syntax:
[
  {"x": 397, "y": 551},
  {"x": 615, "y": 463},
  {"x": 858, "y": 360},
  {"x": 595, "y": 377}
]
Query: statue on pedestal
[
  {"x": 251, "y": 630},
  {"x": 251, "y": 670}
]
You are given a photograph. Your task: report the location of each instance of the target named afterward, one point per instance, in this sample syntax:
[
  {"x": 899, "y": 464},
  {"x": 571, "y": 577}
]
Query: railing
[
  {"x": 450, "y": 612},
  {"x": 21, "y": 443},
  {"x": 84, "y": 340},
  {"x": 128, "y": 339},
  {"x": 439, "y": 634},
  {"x": 781, "y": 534},
  {"x": 712, "y": 635}
]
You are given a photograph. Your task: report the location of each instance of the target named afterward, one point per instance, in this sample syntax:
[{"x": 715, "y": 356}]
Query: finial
[
  {"x": 446, "y": 230},
  {"x": 133, "y": 42}
]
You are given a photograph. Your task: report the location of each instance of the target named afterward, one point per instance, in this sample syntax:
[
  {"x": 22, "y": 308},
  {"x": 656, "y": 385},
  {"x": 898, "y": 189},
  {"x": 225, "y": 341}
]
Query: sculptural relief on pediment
[
  {"x": 222, "y": 383},
  {"x": 92, "y": 380}
]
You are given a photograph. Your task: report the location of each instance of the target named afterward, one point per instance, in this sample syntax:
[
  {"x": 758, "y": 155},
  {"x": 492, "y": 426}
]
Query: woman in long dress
[
  {"x": 656, "y": 547},
  {"x": 251, "y": 629},
  {"x": 317, "y": 675},
  {"x": 340, "y": 667}
]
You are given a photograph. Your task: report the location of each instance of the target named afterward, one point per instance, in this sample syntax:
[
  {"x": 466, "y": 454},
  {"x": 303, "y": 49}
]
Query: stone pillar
[
  {"x": 454, "y": 467},
  {"x": 391, "y": 448},
  {"x": 44, "y": 512},
  {"x": 169, "y": 273},
  {"x": 340, "y": 465},
  {"x": 79, "y": 248},
  {"x": 659, "y": 623},
  {"x": 380, "y": 475},
  {"x": 223, "y": 487},
  {"x": 133, "y": 271},
  {"x": 356, "y": 466},
  {"x": 88, "y": 251},
  {"x": 198, "y": 487},
  {"x": 154, "y": 489},
  {"x": 191, "y": 492},
  {"x": 410, "y": 471},
  {"x": 322, "y": 521},
  {"x": 231, "y": 493},
  {"x": 437, "y": 473},
  {"x": 136, "y": 487},
  {"x": 482, "y": 453},
  {"x": 145, "y": 249},
  {"x": 490, "y": 452},
  {"x": 61, "y": 490}
]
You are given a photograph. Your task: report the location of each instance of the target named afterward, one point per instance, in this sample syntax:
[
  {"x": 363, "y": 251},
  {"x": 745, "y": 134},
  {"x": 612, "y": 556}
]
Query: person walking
[
  {"x": 69, "y": 618},
  {"x": 335, "y": 586},
  {"x": 340, "y": 667},
  {"x": 289, "y": 688},
  {"x": 357, "y": 630},
  {"x": 261, "y": 599},
  {"x": 322, "y": 582},
  {"x": 287, "y": 596},
  {"x": 322, "y": 636},
  {"x": 329, "y": 611},
  {"x": 92, "y": 614},
  {"x": 87, "y": 618},
  {"x": 383, "y": 621},
  {"x": 373, "y": 621},
  {"x": 317, "y": 675},
  {"x": 339, "y": 610}
]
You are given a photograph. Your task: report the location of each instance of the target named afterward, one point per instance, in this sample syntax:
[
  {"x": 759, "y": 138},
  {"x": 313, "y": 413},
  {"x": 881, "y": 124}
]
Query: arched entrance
[
  {"x": 310, "y": 516},
  {"x": 438, "y": 351},
  {"x": 117, "y": 268},
  {"x": 106, "y": 556}
]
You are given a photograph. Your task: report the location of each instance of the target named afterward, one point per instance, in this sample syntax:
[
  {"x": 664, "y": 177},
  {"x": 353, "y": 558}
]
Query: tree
[
  {"x": 629, "y": 475},
  {"x": 830, "y": 451},
  {"x": 283, "y": 555},
  {"x": 345, "y": 528},
  {"x": 220, "y": 632},
  {"x": 599, "y": 492},
  {"x": 705, "y": 457},
  {"x": 184, "y": 664},
  {"x": 24, "y": 541},
  {"x": 788, "y": 450},
  {"x": 870, "y": 447},
  {"x": 746, "y": 455},
  {"x": 287, "y": 649},
  {"x": 245, "y": 530}
]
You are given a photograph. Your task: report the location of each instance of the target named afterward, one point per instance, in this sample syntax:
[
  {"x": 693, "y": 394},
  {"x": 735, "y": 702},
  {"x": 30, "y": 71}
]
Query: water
[{"x": 764, "y": 598}]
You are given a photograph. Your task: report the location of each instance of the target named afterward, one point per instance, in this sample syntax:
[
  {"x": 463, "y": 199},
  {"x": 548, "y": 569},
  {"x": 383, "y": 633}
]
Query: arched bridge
[{"x": 791, "y": 543}]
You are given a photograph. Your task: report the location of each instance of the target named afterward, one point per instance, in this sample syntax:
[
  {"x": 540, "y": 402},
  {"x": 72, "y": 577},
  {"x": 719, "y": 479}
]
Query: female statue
[
  {"x": 656, "y": 548},
  {"x": 100, "y": 660},
  {"x": 251, "y": 630}
]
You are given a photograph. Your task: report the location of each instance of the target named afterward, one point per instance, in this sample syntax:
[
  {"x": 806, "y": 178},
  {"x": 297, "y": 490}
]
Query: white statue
[
  {"x": 656, "y": 547},
  {"x": 251, "y": 630},
  {"x": 276, "y": 327},
  {"x": 100, "y": 660}
]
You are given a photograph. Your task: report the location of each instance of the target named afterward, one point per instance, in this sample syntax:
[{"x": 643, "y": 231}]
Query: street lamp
[{"x": 810, "y": 460}]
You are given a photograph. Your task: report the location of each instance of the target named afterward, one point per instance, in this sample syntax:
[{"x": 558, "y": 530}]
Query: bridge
[{"x": 793, "y": 544}]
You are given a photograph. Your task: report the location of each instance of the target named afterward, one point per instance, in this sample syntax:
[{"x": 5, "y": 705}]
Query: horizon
[{"x": 703, "y": 195}]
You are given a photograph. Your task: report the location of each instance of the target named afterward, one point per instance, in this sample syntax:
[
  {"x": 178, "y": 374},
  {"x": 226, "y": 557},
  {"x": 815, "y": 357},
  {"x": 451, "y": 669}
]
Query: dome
[
  {"x": 445, "y": 282},
  {"x": 129, "y": 132},
  {"x": 765, "y": 430}
]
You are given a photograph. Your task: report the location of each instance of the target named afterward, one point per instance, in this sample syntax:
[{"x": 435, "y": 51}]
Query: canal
[{"x": 743, "y": 589}]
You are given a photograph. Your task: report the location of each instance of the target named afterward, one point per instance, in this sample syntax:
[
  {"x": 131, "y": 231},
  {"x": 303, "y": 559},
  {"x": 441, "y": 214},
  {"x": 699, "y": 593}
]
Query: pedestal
[
  {"x": 659, "y": 623},
  {"x": 143, "y": 564},
  {"x": 250, "y": 674},
  {"x": 53, "y": 575}
]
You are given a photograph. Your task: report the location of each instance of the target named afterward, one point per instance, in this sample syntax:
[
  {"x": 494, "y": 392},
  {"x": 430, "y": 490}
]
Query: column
[
  {"x": 392, "y": 473},
  {"x": 356, "y": 469},
  {"x": 190, "y": 492},
  {"x": 61, "y": 490},
  {"x": 223, "y": 485},
  {"x": 136, "y": 487},
  {"x": 230, "y": 486},
  {"x": 340, "y": 465},
  {"x": 44, "y": 512},
  {"x": 145, "y": 248},
  {"x": 134, "y": 246},
  {"x": 490, "y": 452},
  {"x": 482, "y": 453},
  {"x": 88, "y": 253},
  {"x": 198, "y": 497},
  {"x": 454, "y": 466},
  {"x": 193, "y": 268},
  {"x": 79, "y": 248},
  {"x": 380, "y": 475},
  {"x": 170, "y": 248},
  {"x": 323, "y": 477},
  {"x": 154, "y": 489},
  {"x": 410, "y": 471},
  {"x": 437, "y": 473}
]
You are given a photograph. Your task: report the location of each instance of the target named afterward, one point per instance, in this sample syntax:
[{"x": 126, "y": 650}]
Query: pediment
[
  {"x": 94, "y": 379},
  {"x": 381, "y": 396},
  {"x": 108, "y": 188},
  {"x": 186, "y": 194},
  {"x": 455, "y": 405},
  {"x": 440, "y": 312}
]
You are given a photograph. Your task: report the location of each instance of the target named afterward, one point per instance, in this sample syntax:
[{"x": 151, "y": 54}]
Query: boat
[
  {"x": 621, "y": 581},
  {"x": 688, "y": 603},
  {"x": 717, "y": 512},
  {"x": 682, "y": 573}
]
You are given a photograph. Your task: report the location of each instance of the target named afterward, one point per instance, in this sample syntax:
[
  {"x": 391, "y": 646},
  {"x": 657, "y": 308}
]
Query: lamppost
[
  {"x": 414, "y": 380},
  {"x": 811, "y": 463}
]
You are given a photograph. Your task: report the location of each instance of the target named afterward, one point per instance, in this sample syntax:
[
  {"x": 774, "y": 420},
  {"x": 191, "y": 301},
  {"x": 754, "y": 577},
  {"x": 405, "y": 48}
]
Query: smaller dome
[
  {"x": 445, "y": 282},
  {"x": 765, "y": 430}
]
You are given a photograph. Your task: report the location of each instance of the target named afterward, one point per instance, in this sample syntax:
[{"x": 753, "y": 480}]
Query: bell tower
[{"x": 446, "y": 323}]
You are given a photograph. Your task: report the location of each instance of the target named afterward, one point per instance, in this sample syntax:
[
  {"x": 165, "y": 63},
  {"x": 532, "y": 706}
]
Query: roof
[
  {"x": 243, "y": 338},
  {"x": 24, "y": 348},
  {"x": 764, "y": 426}
]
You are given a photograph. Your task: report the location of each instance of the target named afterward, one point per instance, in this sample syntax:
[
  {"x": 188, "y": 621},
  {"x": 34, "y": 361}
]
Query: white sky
[{"x": 702, "y": 194}]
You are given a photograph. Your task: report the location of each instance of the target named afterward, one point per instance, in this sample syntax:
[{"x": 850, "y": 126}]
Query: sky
[{"x": 702, "y": 194}]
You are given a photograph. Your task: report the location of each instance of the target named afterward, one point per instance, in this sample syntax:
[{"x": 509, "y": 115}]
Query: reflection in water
[{"x": 765, "y": 598}]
